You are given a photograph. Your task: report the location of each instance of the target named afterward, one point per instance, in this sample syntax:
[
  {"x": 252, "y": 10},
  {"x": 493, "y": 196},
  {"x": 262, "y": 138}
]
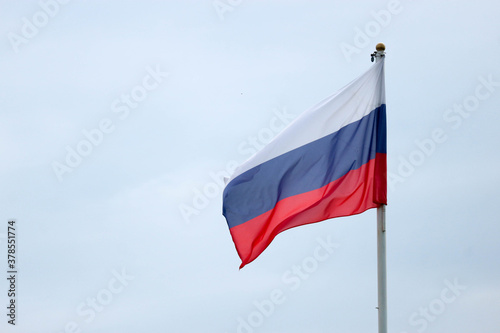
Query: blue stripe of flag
[{"x": 305, "y": 168}]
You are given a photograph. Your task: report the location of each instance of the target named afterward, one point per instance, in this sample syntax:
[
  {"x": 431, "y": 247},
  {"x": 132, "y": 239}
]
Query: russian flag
[{"x": 329, "y": 162}]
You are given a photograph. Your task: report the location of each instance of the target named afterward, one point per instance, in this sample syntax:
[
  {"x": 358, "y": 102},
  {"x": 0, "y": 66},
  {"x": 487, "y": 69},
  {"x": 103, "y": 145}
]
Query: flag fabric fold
[{"x": 329, "y": 162}]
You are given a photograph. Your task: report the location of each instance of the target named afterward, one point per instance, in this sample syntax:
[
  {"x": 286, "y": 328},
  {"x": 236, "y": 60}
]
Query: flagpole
[
  {"x": 381, "y": 270},
  {"x": 381, "y": 255}
]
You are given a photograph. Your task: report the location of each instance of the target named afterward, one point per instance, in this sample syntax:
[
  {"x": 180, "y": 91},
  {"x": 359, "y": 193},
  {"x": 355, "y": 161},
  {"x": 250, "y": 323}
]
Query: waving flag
[{"x": 329, "y": 162}]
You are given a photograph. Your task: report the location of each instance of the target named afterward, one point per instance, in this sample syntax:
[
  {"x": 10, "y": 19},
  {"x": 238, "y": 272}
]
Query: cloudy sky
[{"x": 118, "y": 119}]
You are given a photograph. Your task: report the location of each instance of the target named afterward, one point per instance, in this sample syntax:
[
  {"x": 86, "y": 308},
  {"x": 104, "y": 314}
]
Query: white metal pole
[
  {"x": 381, "y": 256},
  {"x": 381, "y": 271}
]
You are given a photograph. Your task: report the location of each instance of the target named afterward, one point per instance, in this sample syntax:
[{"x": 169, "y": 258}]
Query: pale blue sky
[{"x": 233, "y": 70}]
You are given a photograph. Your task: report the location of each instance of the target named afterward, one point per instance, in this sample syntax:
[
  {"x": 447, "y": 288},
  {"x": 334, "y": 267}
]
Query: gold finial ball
[{"x": 380, "y": 47}]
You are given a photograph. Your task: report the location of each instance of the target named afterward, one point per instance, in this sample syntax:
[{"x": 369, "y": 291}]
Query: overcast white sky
[{"x": 123, "y": 231}]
